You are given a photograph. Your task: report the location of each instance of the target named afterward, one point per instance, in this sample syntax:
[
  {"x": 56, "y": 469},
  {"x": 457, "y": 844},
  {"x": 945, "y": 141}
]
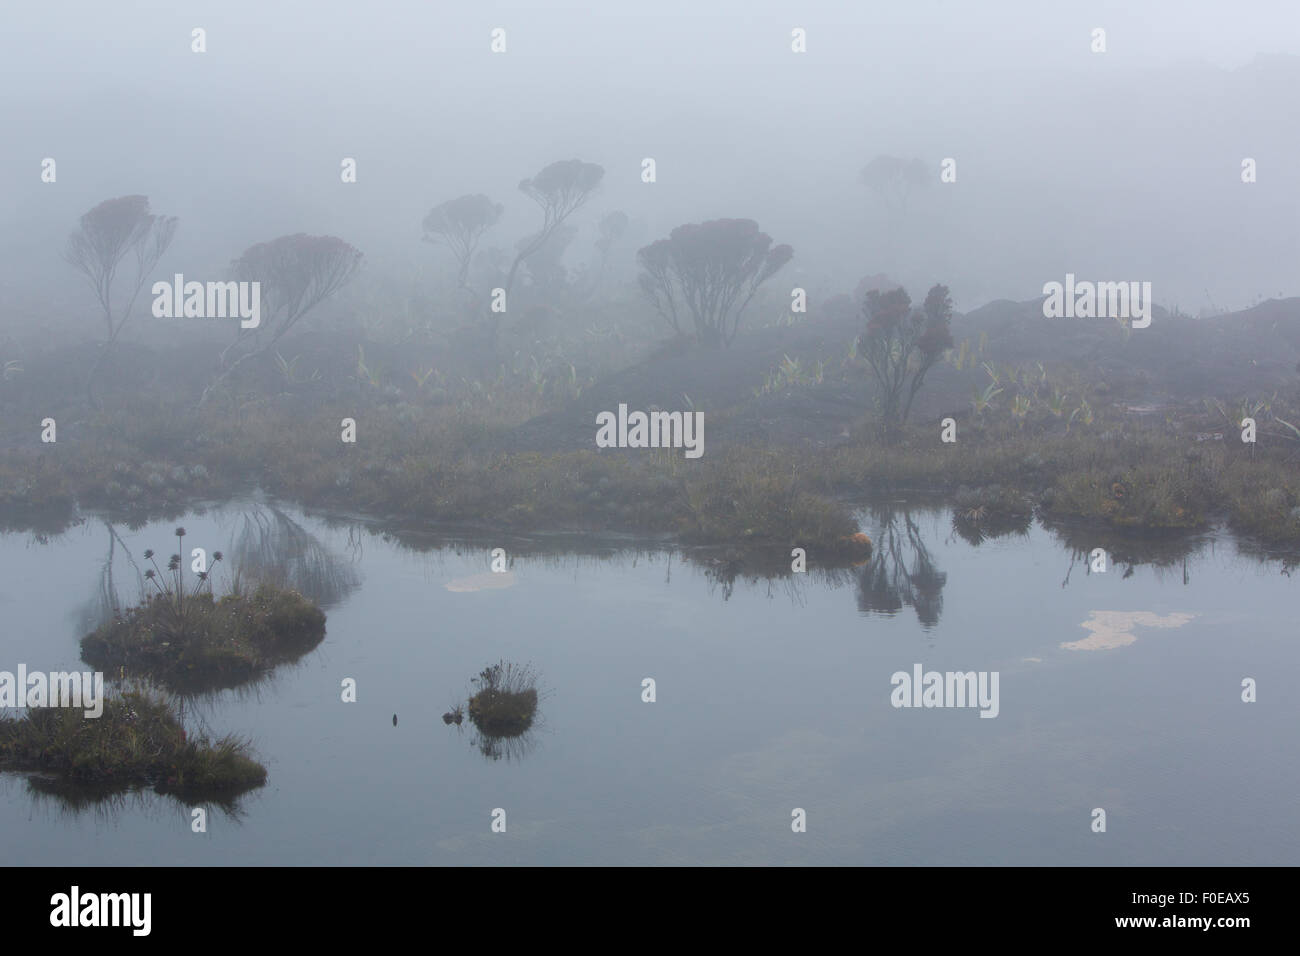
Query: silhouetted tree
[
  {"x": 546, "y": 264},
  {"x": 560, "y": 190},
  {"x": 709, "y": 271},
  {"x": 461, "y": 223},
  {"x": 109, "y": 233},
  {"x": 296, "y": 273},
  {"x": 612, "y": 227},
  {"x": 901, "y": 345}
]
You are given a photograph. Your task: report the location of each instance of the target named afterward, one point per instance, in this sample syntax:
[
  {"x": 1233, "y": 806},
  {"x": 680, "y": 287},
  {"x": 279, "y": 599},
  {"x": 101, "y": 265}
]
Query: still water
[{"x": 1120, "y": 691}]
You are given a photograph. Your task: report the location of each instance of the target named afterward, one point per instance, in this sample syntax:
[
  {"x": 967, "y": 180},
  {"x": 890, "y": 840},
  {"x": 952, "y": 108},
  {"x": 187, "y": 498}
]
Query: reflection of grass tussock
[
  {"x": 992, "y": 511},
  {"x": 505, "y": 699},
  {"x": 210, "y": 643},
  {"x": 136, "y": 740}
]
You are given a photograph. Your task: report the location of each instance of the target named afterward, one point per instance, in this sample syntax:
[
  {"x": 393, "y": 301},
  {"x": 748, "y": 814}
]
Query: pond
[{"x": 1119, "y": 690}]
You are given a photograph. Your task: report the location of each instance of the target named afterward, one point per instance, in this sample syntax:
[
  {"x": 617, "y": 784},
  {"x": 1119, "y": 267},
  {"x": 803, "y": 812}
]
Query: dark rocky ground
[{"x": 1176, "y": 359}]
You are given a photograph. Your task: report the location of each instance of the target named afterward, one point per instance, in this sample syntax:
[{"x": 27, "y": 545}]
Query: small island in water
[
  {"x": 138, "y": 740},
  {"x": 197, "y": 642}
]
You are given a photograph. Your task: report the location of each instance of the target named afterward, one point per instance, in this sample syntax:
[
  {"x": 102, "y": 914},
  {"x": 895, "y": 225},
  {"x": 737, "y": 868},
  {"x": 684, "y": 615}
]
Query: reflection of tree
[
  {"x": 1127, "y": 549},
  {"x": 106, "y": 603},
  {"x": 271, "y": 547},
  {"x": 901, "y": 572}
]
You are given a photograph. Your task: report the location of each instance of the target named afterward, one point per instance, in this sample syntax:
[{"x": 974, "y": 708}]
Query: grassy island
[
  {"x": 137, "y": 741},
  {"x": 207, "y": 643}
]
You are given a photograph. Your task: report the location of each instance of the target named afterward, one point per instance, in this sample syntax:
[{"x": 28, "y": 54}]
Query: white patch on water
[
  {"x": 486, "y": 581},
  {"x": 1111, "y": 629}
]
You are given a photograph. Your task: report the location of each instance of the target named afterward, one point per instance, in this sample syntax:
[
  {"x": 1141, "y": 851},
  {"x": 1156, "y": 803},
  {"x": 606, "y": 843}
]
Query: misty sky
[{"x": 1122, "y": 165}]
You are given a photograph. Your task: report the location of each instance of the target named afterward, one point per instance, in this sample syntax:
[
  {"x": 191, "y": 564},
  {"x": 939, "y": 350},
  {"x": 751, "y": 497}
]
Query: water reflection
[
  {"x": 105, "y": 604},
  {"x": 562, "y": 588},
  {"x": 1127, "y": 550},
  {"x": 105, "y": 802},
  {"x": 901, "y": 572},
  {"x": 273, "y": 548},
  {"x": 503, "y": 710},
  {"x": 269, "y": 547},
  {"x": 975, "y": 527}
]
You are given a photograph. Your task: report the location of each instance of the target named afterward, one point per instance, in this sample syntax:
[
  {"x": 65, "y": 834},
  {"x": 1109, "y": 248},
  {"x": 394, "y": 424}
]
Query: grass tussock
[
  {"x": 208, "y": 643},
  {"x": 1145, "y": 497},
  {"x": 34, "y": 493},
  {"x": 136, "y": 741},
  {"x": 750, "y": 499},
  {"x": 505, "y": 699},
  {"x": 1123, "y": 477}
]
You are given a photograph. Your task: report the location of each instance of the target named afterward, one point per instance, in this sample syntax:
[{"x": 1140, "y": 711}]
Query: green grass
[
  {"x": 505, "y": 700},
  {"x": 137, "y": 740},
  {"x": 210, "y": 643},
  {"x": 434, "y": 463}
]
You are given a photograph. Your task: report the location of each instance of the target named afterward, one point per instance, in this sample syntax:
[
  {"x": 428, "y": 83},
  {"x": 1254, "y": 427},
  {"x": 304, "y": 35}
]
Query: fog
[
  {"x": 501, "y": 365},
  {"x": 1124, "y": 163}
]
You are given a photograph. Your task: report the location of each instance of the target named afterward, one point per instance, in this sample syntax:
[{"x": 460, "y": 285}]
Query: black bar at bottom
[{"x": 332, "y": 905}]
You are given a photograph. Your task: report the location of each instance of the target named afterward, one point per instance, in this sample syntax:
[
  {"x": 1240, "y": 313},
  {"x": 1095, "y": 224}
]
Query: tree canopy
[
  {"x": 560, "y": 190},
  {"x": 902, "y": 344},
  {"x": 709, "y": 271},
  {"x": 108, "y": 233},
  {"x": 460, "y": 223},
  {"x": 296, "y": 274}
]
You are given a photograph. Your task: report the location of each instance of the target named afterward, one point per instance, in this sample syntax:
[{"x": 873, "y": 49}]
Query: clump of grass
[
  {"x": 991, "y": 503},
  {"x": 754, "y": 500},
  {"x": 137, "y": 740},
  {"x": 1263, "y": 501},
  {"x": 991, "y": 511},
  {"x": 451, "y": 463},
  {"x": 505, "y": 699},
  {"x": 207, "y": 643},
  {"x": 1145, "y": 497},
  {"x": 34, "y": 493}
]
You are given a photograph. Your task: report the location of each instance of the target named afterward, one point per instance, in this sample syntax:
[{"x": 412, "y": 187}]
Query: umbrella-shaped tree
[
  {"x": 295, "y": 273},
  {"x": 708, "y": 272},
  {"x": 459, "y": 224},
  {"x": 561, "y": 189},
  {"x": 115, "y": 230}
]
